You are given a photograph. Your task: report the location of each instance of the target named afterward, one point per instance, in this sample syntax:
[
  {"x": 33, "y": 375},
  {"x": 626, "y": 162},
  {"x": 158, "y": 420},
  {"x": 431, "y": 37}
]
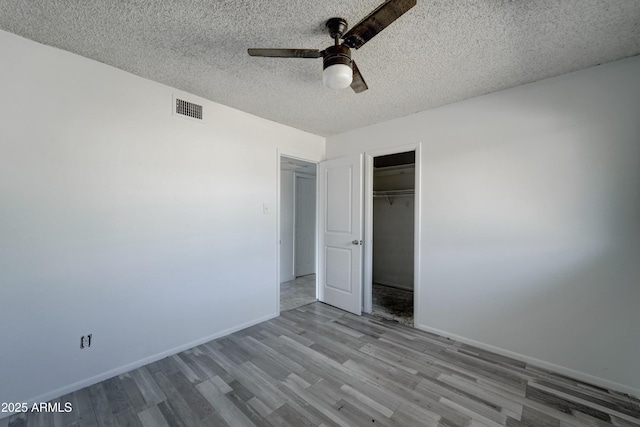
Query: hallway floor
[{"x": 297, "y": 292}]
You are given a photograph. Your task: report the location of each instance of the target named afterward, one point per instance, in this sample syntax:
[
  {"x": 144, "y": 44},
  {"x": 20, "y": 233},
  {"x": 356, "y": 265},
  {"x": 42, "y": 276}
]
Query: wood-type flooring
[{"x": 319, "y": 366}]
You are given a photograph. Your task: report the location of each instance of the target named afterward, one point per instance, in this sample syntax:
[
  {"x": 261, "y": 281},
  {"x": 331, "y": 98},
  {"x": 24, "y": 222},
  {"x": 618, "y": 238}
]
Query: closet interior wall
[{"x": 393, "y": 226}]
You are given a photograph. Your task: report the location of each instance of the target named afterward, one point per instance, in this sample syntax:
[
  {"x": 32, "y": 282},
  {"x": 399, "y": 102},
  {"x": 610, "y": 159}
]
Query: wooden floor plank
[
  {"x": 136, "y": 400},
  {"x": 65, "y": 418},
  {"x": 86, "y": 414},
  {"x": 288, "y": 416},
  {"x": 152, "y": 417},
  {"x": 198, "y": 404},
  {"x": 312, "y": 400},
  {"x": 18, "y": 420},
  {"x": 116, "y": 395},
  {"x": 170, "y": 414},
  {"x": 128, "y": 418},
  {"x": 197, "y": 361},
  {"x": 177, "y": 400},
  {"x": 227, "y": 410},
  {"x": 101, "y": 406},
  {"x": 264, "y": 350},
  {"x": 186, "y": 369},
  {"x": 477, "y": 406},
  {"x": 150, "y": 391},
  {"x": 249, "y": 411},
  {"x": 409, "y": 415}
]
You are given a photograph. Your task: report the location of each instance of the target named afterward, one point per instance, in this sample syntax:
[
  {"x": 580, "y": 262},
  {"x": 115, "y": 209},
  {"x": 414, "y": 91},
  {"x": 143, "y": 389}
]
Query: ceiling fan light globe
[{"x": 337, "y": 76}]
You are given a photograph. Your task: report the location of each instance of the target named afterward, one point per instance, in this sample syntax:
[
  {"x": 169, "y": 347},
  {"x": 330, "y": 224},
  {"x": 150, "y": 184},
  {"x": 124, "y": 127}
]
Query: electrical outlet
[{"x": 85, "y": 341}]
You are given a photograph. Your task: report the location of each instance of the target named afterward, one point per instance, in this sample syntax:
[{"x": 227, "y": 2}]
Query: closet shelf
[{"x": 390, "y": 194}]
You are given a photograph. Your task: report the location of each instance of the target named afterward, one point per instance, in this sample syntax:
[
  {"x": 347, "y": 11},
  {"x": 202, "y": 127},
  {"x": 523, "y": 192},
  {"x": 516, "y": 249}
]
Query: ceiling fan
[{"x": 339, "y": 70}]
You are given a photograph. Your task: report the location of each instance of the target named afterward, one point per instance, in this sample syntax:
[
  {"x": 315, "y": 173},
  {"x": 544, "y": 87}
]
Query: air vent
[{"x": 188, "y": 109}]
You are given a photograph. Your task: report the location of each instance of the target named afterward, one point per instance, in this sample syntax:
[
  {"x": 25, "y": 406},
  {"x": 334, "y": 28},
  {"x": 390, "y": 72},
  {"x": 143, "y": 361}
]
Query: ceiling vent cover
[{"x": 188, "y": 109}]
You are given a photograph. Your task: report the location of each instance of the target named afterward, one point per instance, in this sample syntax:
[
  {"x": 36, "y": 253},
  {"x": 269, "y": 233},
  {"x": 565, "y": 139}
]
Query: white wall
[
  {"x": 393, "y": 229},
  {"x": 287, "y": 222},
  {"x": 120, "y": 220},
  {"x": 305, "y": 224},
  {"x": 530, "y": 220}
]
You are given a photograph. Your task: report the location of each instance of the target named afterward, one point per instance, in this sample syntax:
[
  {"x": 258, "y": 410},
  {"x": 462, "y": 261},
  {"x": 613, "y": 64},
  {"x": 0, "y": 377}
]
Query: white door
[
  {"x": 340, "y": 223},
  {"x": 305, "y": 252}
]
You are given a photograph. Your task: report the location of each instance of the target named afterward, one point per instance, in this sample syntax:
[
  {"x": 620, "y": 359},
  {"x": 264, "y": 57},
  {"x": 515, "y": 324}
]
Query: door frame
[
  {"x": 367, "y": 287},
  {"x": 296, "y": 156}
]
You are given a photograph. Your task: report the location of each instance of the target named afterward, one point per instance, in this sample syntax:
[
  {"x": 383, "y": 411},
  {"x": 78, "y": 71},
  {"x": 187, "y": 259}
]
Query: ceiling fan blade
[
  {"x": 285, "y": 53},
  {"x": 376, "y": 21},
  {"x": 358, "y": 84}
]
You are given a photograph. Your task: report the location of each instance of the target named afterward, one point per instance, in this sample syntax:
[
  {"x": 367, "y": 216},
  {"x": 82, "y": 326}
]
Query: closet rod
[{"x": 390, "y": 194}]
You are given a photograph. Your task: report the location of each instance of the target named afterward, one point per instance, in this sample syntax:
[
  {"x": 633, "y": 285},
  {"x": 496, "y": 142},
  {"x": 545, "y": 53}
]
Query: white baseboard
[
  {"x": 578, "y": 375},
  {"x": 138, "y": 363}
]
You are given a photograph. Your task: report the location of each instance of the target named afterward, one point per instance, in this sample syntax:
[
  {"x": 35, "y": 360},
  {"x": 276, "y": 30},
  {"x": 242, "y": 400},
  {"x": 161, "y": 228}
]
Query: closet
[{"x": 393, "y": 236}]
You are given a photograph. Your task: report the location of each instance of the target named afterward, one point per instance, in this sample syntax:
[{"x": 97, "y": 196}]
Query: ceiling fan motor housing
[
  {"x": 336, "y": 55},
  {"x": 336, "y": 27}
]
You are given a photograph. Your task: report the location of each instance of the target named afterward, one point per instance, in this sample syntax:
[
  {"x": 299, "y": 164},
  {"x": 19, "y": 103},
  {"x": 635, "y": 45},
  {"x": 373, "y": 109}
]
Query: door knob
[{"x": 356, "y": 242}]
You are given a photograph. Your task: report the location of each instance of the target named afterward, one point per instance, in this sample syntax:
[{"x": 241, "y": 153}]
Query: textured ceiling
[{"x": 440, "y": 52}]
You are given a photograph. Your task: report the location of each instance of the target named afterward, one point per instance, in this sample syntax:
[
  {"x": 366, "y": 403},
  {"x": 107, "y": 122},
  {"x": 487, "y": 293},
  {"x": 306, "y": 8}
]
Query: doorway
[
  {"x": 393, "y": 236},
  {"x": 297, "y": 232}
]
